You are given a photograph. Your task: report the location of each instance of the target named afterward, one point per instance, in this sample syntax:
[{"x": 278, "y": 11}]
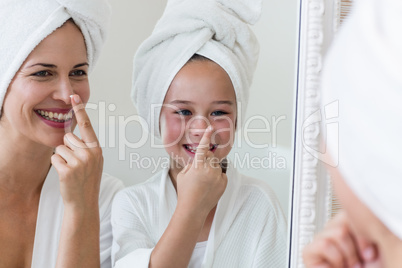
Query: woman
[
  {"x": 363, "y": 73},
  {"x": 54, "y": 206}
]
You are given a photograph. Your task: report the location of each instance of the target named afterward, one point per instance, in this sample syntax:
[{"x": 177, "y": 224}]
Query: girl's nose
[{"x": 198, "y": 125}]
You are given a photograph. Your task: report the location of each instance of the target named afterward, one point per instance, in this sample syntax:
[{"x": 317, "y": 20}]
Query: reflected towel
[
  {"x": 216, "y": 29},
  {"x": 25, "y": 23}
]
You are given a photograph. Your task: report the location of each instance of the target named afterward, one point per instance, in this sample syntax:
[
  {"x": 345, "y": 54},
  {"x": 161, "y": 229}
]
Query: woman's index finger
[{"x": 88, "y": 135}]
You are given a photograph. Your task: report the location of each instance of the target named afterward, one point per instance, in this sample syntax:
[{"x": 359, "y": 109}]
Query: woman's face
[
  {"x": 37, "y": 104},
  {"x": 200, "y": 95}
]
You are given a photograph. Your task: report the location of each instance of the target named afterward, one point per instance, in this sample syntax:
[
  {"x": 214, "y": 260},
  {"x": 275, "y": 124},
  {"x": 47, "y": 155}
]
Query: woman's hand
[
  {"x": 79, "y": 162},
  {"x": 337, "y": 246},
  {"x": 201, "y": 184}
]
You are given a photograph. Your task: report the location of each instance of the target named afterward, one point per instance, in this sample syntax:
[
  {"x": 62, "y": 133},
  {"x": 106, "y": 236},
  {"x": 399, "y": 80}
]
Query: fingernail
[
  {"x": 209, "y": 128},
  {"x": 76, "y": 98},
  {"x": 368, "y": 254}
]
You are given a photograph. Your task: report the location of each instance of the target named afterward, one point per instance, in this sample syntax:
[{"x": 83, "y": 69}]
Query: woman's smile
[{"x": 58, "y": 118}]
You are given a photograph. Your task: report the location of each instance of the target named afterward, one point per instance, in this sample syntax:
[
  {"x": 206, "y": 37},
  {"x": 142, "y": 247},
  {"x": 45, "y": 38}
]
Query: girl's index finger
[
  {"x": 88, "y": 135},
  {"x": 203, "y": 146}
]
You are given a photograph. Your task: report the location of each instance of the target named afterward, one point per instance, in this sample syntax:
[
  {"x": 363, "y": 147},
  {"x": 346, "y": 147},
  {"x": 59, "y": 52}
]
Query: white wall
[{"x": 272, "y": 93}]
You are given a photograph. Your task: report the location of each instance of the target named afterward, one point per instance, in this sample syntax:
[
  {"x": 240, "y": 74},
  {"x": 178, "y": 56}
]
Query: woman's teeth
[
  {"x": 55, "y": 117},
  {"x": 194, "y": 149}
]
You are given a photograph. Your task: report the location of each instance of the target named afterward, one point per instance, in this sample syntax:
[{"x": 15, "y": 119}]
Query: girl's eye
[
  {"x": 78, "y": 73},
  {"x": 183, "y": 112},
  {"x": 218, "y": 113},
  {"x": 41, "y": 74}
]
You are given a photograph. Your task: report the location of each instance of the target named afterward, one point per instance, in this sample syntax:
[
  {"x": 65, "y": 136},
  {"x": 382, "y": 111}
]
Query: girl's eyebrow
[
  {"x": 47, "y": 65},
  {"x": 223, "y": 102},
  {"x": 190, "y": 102},
  {"x": 181, "y": 102}
]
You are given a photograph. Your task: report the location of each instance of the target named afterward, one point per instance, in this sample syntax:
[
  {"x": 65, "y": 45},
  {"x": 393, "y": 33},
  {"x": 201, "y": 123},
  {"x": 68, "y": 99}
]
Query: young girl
[{"x": 193, "y": 214}]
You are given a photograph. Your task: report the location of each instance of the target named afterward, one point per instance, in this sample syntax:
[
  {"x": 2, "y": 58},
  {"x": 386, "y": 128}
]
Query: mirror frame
[{"x": 312, "y": 189}]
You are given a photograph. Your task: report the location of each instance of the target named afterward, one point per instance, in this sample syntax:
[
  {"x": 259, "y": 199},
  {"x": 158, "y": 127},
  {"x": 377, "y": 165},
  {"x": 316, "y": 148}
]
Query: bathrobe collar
[{"x": 48, "y": 223}]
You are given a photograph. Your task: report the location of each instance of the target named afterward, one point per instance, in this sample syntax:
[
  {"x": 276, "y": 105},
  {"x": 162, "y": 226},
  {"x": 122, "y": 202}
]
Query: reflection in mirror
[{"x": 263, "y": 150}]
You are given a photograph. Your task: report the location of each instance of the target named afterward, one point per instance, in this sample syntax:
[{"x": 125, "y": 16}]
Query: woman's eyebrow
[
  {"x": 48, "y": 65},
  {"x": 81, "y": 64}
]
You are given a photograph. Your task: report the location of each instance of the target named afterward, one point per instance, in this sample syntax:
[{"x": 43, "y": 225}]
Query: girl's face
[
  {"x": 200, "y": 95},
  {"x": 37, "y": 105}
]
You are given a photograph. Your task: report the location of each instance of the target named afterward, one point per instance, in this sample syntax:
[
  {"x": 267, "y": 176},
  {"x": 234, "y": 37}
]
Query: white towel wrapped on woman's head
[
  {"x": 25, "y": 23},
  {"x": 215, "y": 29},
  {"x": 363, "y": 73}
]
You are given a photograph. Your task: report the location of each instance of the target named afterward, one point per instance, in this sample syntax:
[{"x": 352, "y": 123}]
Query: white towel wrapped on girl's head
[
  {"x": 215, "y": 29},
  {"x": 25, "y": 23}
]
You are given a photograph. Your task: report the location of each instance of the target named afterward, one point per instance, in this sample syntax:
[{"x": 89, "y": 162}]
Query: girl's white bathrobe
[
  {"x": 50, "y": 217},
  {"x": 249, "y": 229}
]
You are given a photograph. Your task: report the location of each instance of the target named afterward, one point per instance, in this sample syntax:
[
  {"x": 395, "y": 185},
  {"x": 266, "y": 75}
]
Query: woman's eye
[
  {"x": 183, "y": 112},
  {"x": 78, "y": 73},
  {"x": 41, "y": 73},
  {"x": 218, "y": 113}
]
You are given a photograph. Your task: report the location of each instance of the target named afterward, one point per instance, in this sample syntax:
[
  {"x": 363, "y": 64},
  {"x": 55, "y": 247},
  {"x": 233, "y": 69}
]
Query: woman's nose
[{"x": 64, "y": 90}]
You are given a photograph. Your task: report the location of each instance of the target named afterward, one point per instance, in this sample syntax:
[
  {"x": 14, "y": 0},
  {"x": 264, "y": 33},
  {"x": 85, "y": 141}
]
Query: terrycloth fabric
[
  {"x": 50, "y": 217},
  {"x": 249, "y": 229},
  {"x": 25, "y": 23},
  {"x": 364, "y": 73},
  {"x": 216, "y": 29}
]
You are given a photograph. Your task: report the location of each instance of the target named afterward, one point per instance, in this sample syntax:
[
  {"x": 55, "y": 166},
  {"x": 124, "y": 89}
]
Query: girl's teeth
[
  {"x": 42, "y": 112},
  {"x": 60, "y": 116},
  {"x": 46, "y": 114},
  {"x": 50, "y": 115},
  {"x": 193, "y": 150}
]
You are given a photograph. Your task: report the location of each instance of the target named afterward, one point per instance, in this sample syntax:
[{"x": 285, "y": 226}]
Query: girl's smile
[{"x": 192, "y": 148}]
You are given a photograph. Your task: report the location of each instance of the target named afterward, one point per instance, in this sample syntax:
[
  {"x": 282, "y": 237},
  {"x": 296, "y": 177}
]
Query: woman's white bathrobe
[
  {"x": 249, "y": 229},
  {"x": 50, "y": 217}
]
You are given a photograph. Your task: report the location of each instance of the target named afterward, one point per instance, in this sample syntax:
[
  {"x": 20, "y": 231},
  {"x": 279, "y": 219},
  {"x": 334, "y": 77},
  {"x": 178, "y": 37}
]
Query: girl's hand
[
  {"x": 79, "y": 162},
  {"x": 201, "y": 184},
  {"x": 338, "y": 247}
]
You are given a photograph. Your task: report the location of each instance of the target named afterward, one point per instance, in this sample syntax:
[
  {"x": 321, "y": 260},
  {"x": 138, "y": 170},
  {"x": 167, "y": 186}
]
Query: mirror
[
  {"x": 264, "y": 150},
  {"x": 313, "y": 202}
]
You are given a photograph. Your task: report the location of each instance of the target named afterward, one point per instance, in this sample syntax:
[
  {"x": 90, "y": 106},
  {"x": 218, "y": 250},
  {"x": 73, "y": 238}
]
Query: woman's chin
[{"x": 53, "y": 142}]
